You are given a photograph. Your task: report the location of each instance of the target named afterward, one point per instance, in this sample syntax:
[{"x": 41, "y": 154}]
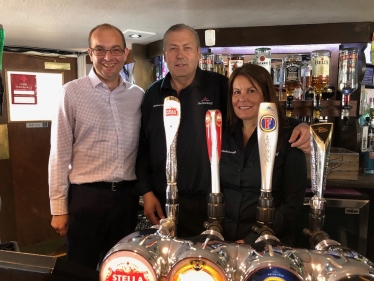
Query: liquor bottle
[
  {"x": 371, "y": 107},
  {"x": 369, "y": 155},
  {"x": 263, "y": 58},
  {"x": 219, "y": 67},
  {"x": 348, "y": 77},
  {"x": 207, "y": 61},
  {"x": 291, "y": 65},
  {"x": 320, "y": 61},
  {"x": 365, "y": 135},
  {"x": 371, "y": 134},
  {"x": 233, "y": 62},
  {"x": 306, "y": 71}
]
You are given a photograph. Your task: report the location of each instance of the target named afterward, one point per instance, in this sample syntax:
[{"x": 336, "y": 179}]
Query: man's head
[
  {"x": 182, "y": 52},
  {"x": 108, "y": 53}
]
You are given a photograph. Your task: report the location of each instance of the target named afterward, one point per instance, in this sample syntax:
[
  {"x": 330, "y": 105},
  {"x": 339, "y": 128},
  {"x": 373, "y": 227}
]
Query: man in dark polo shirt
[{"x": 198, "y": 91}]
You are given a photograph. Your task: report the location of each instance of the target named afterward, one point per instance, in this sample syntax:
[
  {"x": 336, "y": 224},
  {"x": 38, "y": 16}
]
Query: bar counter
[
  {"x": 363, "y": 185},
  {"x": 363, "y": 181}
]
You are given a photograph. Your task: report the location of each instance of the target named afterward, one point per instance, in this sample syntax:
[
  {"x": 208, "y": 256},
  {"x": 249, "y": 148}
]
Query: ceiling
[{"x": 65, "y": 24}]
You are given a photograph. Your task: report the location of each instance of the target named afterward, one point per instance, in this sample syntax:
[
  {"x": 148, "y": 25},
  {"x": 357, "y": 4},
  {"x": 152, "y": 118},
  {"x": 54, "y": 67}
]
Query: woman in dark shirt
[{"x": 240, "y": 168}]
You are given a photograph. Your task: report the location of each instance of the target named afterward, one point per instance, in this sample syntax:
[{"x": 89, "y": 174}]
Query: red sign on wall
[{"x": 23, "y": 89}]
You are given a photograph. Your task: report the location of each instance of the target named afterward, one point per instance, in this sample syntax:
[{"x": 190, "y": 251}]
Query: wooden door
[{"x": 25, "y": 215}]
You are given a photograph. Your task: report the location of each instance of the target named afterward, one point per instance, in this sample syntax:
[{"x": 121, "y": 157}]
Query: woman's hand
[{"x": 300, "y": 137}]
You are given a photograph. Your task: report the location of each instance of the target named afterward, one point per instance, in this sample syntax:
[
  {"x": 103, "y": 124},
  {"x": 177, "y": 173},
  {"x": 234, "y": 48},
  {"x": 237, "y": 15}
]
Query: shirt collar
[{"x": 95, "y": 80}]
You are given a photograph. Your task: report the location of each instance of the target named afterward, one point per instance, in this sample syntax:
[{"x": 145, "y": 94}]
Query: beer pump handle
[
  {"x": 267, "y": 134},
  {"x": 320, "y": 142},
  {"x": 172, "y": 115},
  {"x": 216, "y": 207},
  {"x": 213, "y": 125}
]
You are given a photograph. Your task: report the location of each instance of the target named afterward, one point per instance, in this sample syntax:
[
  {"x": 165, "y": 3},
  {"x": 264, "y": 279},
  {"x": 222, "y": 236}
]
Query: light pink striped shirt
[{"x": 94, "y": 136}]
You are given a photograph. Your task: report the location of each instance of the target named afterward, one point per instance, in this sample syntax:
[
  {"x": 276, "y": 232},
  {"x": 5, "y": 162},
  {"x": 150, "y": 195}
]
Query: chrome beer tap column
[
  {"x": 172, "y": 114},
  {"x": 216, "y": 207},
  {"x": 267, "y": 133},
  {"x": 320, "y": 140}
]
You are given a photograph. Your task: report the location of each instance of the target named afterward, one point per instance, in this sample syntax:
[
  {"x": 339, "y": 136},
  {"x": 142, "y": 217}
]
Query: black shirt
[
  {"x": 240, "y": 173},
  {"x": 207, "y": 91}
]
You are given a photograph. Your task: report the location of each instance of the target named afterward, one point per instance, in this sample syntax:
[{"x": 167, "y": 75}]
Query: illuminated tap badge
[
  {"x": 268, "y": 123},
  {"x": 171, "y": 111},
  {"x": 126, "y": 266}
]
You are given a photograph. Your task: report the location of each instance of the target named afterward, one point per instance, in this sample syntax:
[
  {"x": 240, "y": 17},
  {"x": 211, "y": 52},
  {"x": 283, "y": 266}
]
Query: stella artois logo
[
  {"x": 171, "y": 111},
  {"x": 262, "y": 58},
  {"x": 127, "y": 266},
  {"x": 132, "y": 275}
]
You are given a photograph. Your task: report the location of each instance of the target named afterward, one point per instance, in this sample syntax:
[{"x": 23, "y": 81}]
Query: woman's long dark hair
[{"x": 259, "y": 75}]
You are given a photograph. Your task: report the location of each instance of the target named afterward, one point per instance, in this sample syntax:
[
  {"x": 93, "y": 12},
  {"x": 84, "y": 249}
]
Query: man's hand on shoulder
[
  {"x": 151, "y": 207},
  {"x": 60, "y": 224},
  {"x": 300, "y": 137}
]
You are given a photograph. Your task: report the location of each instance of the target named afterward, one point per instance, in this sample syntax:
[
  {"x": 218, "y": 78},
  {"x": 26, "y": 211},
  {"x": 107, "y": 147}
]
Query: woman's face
[{"x": 246, "y": 98}]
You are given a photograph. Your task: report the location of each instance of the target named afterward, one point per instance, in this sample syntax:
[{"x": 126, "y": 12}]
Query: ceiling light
[{"x": 137, "y": 35}]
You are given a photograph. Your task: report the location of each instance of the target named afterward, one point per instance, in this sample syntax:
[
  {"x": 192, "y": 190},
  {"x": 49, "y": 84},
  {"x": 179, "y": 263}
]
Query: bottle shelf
[{"x": 330, "y": 108}]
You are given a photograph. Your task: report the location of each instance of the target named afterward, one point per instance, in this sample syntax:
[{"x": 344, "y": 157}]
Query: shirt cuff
[{"x": 59, "y": 207}]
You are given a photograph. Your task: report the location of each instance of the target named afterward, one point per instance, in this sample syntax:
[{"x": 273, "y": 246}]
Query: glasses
[{"x": 102, "y": 52}]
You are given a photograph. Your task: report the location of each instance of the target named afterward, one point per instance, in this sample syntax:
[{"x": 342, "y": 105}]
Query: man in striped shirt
[{"x": 94, "y": 142}]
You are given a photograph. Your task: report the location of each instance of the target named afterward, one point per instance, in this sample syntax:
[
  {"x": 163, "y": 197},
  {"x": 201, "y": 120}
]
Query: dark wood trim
[
  {"x": 331, "y": 108},
  {"x": 155, "y": 49},
  {"x": 326, "y": 33}
]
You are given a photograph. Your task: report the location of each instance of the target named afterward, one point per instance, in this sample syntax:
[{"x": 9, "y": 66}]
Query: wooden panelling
[
  {"x": 155, "y": 49},
  {"x": 331, "y": 108},
  {"x": 292, "y": 34}
]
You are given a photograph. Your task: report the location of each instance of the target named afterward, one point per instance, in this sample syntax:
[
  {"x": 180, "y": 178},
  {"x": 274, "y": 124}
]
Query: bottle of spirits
[
  {"x": 369, "y": 155},
  {"x": 365, "y": 135}
]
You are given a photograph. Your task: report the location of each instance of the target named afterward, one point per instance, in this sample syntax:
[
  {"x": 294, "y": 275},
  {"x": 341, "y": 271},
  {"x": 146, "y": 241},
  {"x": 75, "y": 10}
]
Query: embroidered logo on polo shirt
[
  {"x": 205, "y": 101},
  {"x": 226, "y": 151},
  {"x": 156, "y": 105}
]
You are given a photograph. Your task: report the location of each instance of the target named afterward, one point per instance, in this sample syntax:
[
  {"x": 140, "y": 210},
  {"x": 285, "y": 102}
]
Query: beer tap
[
  {"x": 320, "y": 140},
  {"x": 172, "y": 114},
  {"x": 216, "y": 207},
  {"x": 267, "y": 133},
  {"x": 348, "y": 71}
]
